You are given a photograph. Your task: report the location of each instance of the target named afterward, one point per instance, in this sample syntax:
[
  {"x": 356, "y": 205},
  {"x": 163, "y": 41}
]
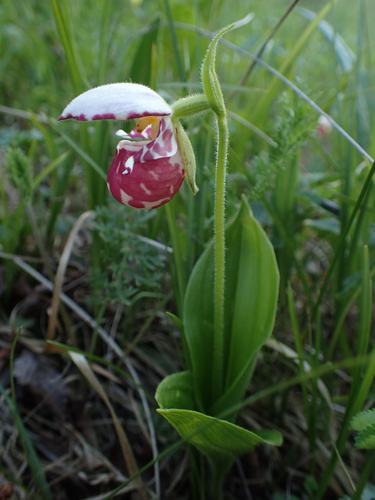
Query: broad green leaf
[
  {"x": 217, "y": 439},
  {"x": 176, "y": 391},
  {"x": 251, "y": 291}
]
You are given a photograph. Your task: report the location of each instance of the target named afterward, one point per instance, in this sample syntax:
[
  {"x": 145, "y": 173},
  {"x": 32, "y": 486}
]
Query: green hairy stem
[{"x": 219, "y": 234}]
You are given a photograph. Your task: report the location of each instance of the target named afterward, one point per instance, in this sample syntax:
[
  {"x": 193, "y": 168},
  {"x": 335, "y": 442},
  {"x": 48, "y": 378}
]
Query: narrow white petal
[
  {"x": 121, "y": 133},
  {"x": 116, "y": 101}
]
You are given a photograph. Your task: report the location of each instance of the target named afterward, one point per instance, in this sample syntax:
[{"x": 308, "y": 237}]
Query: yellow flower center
[{"x": 142, "y": 123}]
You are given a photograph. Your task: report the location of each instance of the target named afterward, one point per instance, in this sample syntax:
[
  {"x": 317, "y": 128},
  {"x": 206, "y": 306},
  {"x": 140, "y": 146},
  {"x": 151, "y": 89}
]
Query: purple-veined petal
[
  {"x": 163, "y": 146},
  {"x": 146, "y": 173},
  {"x": 116, "y": 101}
]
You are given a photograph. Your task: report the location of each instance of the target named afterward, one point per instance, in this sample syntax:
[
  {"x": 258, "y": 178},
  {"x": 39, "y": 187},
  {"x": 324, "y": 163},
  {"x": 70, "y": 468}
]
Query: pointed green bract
[
  {"x": 210, "y": 80},
  {"x": 251, "y": 288},
  {"x": 216, "y": 438},
  {"x": 187, "y": 155}
]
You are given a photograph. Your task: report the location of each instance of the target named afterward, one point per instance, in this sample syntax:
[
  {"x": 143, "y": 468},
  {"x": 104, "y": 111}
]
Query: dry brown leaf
[{"x": 82, "y": 364}]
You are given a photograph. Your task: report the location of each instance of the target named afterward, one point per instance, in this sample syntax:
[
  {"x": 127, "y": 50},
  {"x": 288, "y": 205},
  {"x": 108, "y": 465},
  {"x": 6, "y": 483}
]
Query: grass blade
[{"x": 32, "y": 458}]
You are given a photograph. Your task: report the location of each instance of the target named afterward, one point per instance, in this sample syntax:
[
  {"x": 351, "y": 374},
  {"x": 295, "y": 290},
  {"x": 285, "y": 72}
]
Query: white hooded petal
[{"x": 116, "y": 101}]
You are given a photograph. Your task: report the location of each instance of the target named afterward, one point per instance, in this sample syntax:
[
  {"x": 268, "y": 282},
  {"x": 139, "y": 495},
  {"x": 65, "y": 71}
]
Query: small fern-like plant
[
  {"x": 129, "y": 266},
  {"x": 364, "y": 424}
]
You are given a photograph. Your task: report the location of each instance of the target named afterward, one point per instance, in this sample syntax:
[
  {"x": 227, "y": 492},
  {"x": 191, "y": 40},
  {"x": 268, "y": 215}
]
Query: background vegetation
[{"x": 75, "y": 410}]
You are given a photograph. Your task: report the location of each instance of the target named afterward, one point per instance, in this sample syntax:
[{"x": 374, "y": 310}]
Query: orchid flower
[{"x": 151, "y": 160}]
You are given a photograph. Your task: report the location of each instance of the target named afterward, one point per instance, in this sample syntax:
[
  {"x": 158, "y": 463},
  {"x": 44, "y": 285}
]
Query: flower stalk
[
  {"x": 219, "y": 254},
  {"x": 190, "y": 105},
  {"x": 215, "y": 99}
]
